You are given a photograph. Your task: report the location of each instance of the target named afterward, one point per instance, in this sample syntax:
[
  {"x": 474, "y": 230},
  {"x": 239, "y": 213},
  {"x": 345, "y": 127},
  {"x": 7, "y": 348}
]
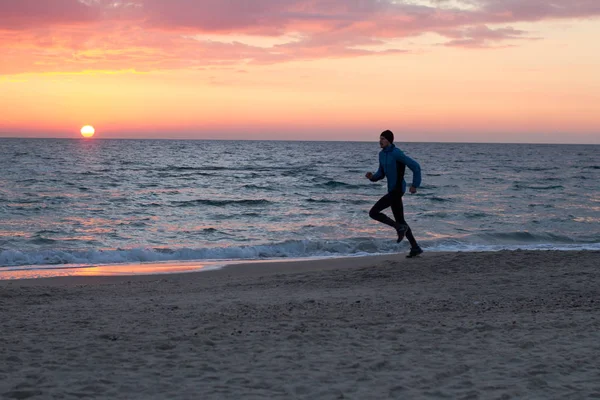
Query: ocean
[{"x": 87, "y": 202}]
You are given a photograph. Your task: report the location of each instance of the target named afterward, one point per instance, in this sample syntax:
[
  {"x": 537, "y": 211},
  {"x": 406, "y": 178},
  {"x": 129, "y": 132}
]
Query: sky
[{"x": 429, "y": 70}]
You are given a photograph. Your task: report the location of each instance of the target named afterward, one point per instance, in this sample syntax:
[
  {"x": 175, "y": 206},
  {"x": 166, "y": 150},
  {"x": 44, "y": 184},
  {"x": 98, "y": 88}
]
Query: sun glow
[{"x": 88, "y": 131}]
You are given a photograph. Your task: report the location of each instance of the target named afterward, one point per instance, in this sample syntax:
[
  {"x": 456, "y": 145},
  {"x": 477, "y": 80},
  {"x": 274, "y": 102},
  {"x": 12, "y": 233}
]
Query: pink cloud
[
  {"x": 155, "y": 34},
  {"x": 482, "y": 36},
  {"x": 242, "y": 15},
  {"x": 395, "y": 19},
  {"x": 25, "y": 14},
  {"x": 534, "y": 10}
]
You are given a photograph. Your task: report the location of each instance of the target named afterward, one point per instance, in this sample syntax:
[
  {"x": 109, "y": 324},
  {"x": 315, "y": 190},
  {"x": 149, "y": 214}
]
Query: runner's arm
[
  {"x": 379, "y": 175},
  {"x": 412, "y": 165}
]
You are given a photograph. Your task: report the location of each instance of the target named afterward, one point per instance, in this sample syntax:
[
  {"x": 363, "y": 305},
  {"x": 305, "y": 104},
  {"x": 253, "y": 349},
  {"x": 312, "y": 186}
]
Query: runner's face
[{"x": 383, "y": 142}]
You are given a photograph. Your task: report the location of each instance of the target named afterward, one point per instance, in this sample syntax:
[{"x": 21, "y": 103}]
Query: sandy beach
[{"x": 502, "y": 325}]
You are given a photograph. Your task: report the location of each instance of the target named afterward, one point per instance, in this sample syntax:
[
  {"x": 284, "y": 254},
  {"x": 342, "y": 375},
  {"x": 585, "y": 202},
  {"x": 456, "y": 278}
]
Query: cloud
[
  {"x": 482, "y": 36},
  {"x": 27, "y": 14},
  {"x": 75, "y": 35},
  {"x": 535, "y": 10}
]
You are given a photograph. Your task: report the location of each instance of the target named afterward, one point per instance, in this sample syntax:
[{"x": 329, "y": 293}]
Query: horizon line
[{"x": 292, "y": 140}]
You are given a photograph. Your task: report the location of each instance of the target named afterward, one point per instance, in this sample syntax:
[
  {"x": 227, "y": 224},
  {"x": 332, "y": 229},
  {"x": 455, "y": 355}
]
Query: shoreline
[
  {"x": 148, "y": 270},
  {"x": 143, "y": 271},
  {"x": 136, "y": 267},
  {"x": 115, "y": 273}
]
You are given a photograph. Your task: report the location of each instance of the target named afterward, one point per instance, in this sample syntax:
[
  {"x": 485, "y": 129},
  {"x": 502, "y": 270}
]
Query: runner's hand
[
  {"x": 412, "y": 189},
  {"x": 369, "y": 175}
]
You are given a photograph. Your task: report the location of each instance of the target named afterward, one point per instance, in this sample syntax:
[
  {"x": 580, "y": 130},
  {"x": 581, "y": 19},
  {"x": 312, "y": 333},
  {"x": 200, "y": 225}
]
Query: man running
[{"x": 392, "y": 165}]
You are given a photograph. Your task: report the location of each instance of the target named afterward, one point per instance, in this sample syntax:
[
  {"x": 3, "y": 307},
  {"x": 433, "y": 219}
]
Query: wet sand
[{"x": 496, "y": 325}]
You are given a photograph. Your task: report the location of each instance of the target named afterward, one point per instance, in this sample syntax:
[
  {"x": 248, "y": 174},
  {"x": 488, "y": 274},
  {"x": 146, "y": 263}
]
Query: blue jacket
[{"x": 392, "y": 164}]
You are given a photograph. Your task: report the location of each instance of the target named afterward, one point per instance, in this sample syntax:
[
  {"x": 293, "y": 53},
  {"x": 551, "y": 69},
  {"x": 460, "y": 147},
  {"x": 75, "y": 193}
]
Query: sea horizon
[{"x": 375, "y": 140}]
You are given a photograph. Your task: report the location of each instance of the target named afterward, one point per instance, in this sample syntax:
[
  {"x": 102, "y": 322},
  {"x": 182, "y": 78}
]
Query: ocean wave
[
  {"x": 187, "y": 176},
  {"x": 290, "y": 249},
  {"x": 150, "y": 205},
  {"x": 541, "y": 205},
  {"x": 49, "y": 232},
  {"x": 538, "y": 169},
  {"x": 358, "y": 202},
  {"x": 475, "y": 215},
  {"x": 434, "y": 214},
  {"x": 436, "y": 198},
  {"x": 200, "y": 231},
  {"x": 256, "y": 187},
  {"x": 294, "y": 172},
  {"x": 337, "y": 185},
  {"x": 472, "y": 247},
  {"x": 236, "y": 216},
  {"x": 196, "y": 170},
  {"x": 220, "y": 203},
  {"x": 535, "y": 187},
  {"x": 324, "y": 201},
  {"x": 175, "y": 168},
  {"x": 42, "y": 241},
  {"x": 21, "y": 200},
  {"x": 525, "y": 237}
]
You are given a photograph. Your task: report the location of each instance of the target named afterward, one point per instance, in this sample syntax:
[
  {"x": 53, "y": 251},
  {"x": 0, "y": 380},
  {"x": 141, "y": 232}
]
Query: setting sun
[{"x": 88, "y": 131}]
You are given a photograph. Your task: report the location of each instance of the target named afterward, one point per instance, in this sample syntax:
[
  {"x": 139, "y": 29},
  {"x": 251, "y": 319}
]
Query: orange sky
[{"x": 479, "y": 70}]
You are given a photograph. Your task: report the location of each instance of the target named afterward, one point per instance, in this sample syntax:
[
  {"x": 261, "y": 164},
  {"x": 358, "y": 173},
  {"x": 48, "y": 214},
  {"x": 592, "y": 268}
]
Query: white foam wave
[
  {"x": 480, "y": 247},
  {"x": 289, "y": 249},
  {"x": 303, "y": 248}
]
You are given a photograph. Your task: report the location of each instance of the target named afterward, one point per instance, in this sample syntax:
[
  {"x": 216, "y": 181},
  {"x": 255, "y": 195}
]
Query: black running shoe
[
  {"x": 401, "y": 229},
  {"x": 414, "y": 252}
]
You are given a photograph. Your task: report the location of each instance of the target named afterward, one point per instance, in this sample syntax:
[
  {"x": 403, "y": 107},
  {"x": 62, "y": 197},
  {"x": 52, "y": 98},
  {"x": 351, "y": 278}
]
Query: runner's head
[{"x": 386, "y": 138}]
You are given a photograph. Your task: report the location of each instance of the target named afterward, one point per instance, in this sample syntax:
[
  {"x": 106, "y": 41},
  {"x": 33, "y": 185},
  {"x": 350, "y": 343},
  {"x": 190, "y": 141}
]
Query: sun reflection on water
[{"x": 102, "y": 270}]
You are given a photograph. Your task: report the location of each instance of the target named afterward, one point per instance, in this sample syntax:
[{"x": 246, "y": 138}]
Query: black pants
[{"x": 392, "y": 199}]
